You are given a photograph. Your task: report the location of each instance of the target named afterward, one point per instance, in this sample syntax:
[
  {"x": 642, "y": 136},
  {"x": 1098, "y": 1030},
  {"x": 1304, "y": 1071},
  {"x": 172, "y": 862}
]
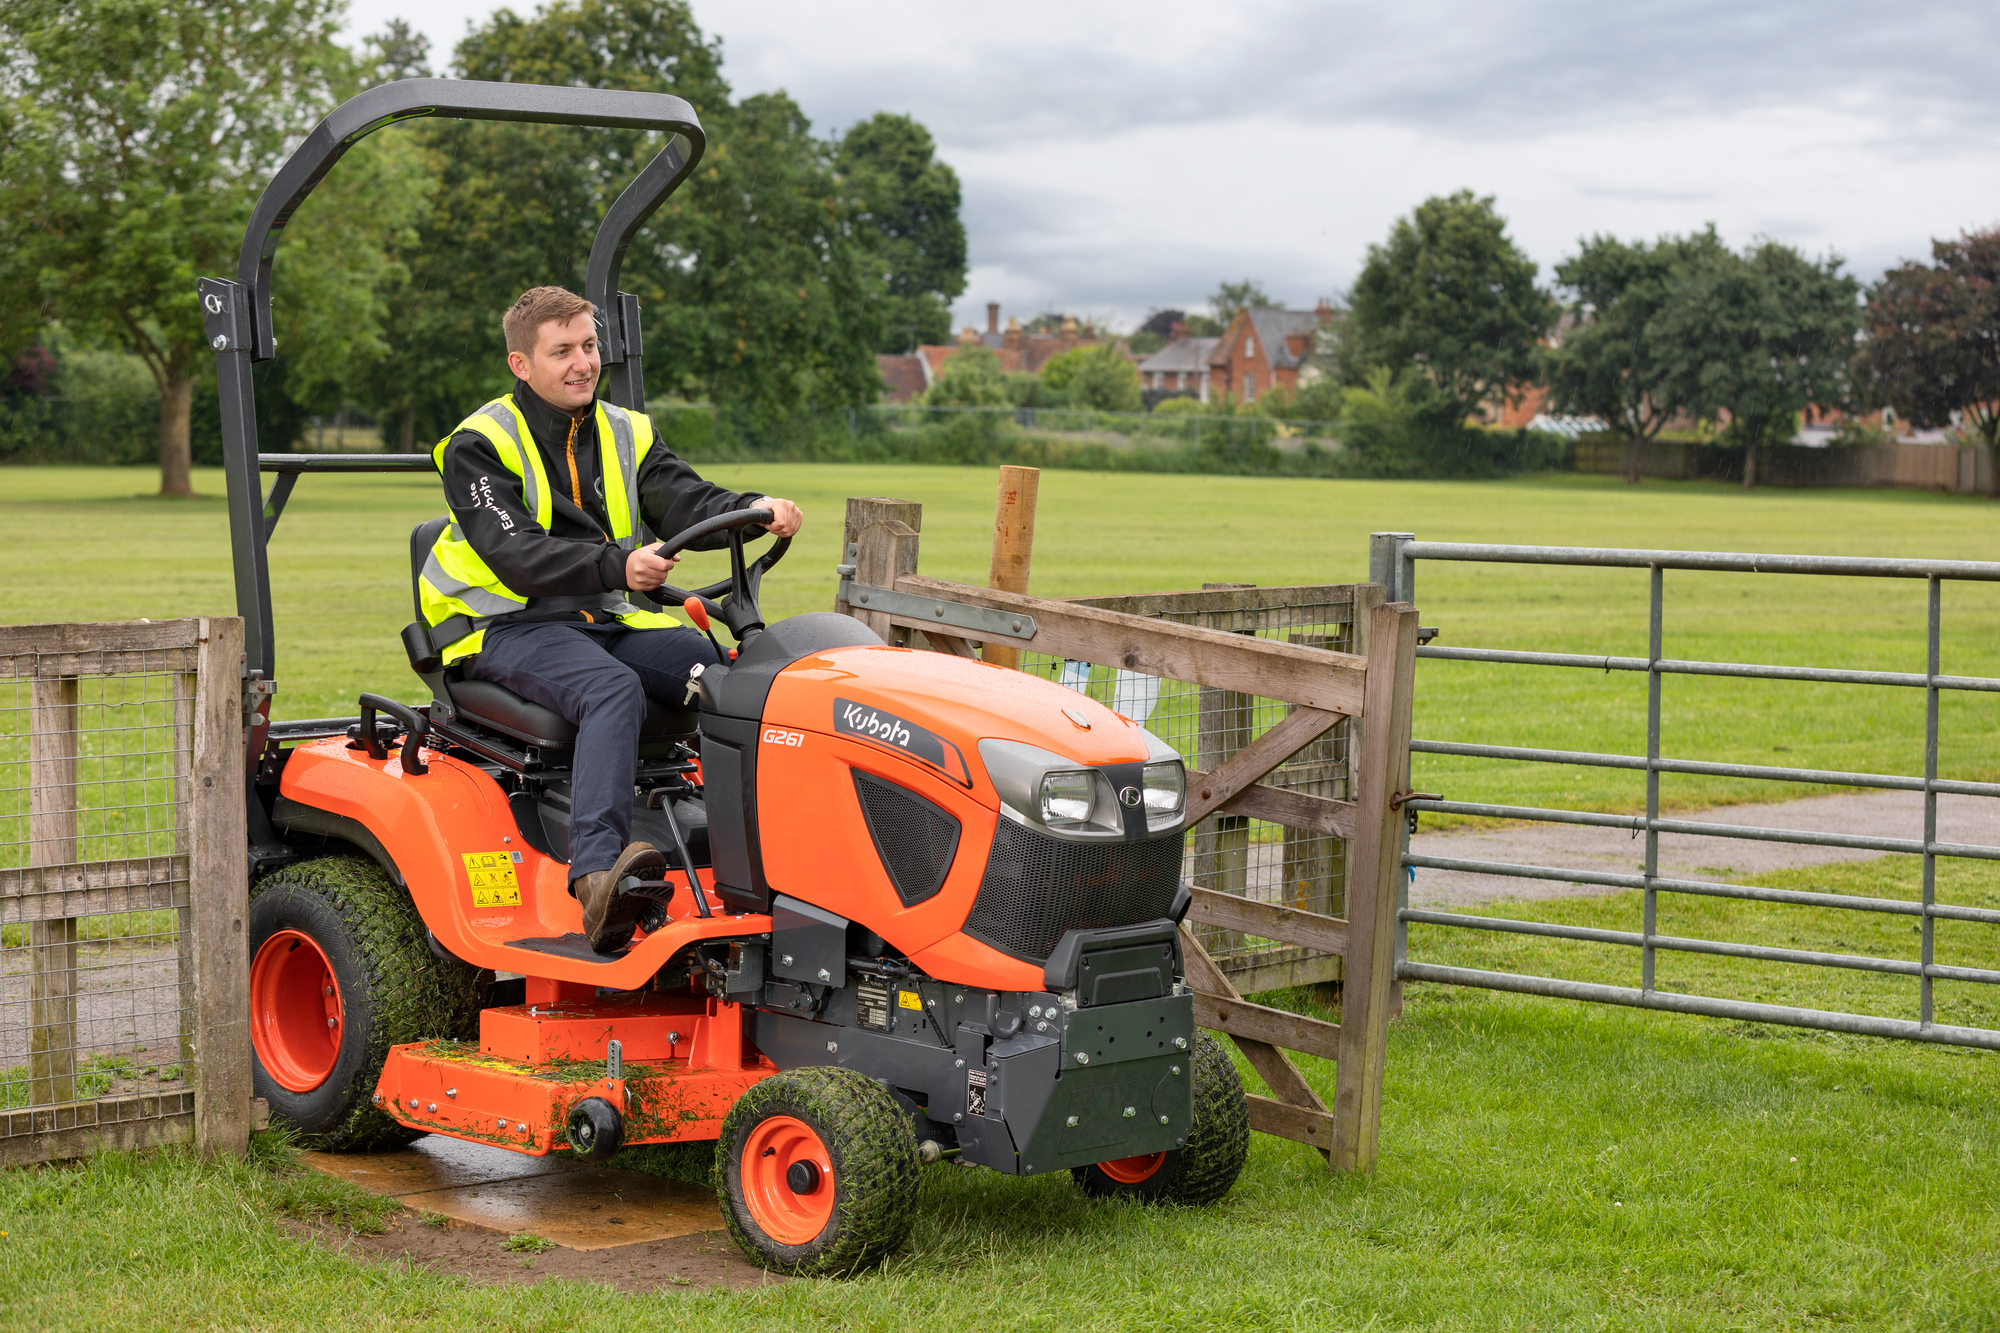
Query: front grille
[
  {"x": 1037, "y": 887},
  {"x": 915, "y": 839}
]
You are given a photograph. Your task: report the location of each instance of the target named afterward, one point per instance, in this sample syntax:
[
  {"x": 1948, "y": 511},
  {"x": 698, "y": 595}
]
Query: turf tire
[
  {"x": 873, "y": 1152},
  {"x": 1203, "y": 1171},
  {"x": 393, "y": 989}
]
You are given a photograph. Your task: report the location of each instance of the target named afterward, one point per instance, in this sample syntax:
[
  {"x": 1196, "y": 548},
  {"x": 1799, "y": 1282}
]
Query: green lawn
[
  {"x": 1544, "y": 1164},
  {"x": 91, "y": 543}
]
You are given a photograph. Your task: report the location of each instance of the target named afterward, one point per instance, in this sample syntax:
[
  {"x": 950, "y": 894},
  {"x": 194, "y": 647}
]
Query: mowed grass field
[
  {"x": 93, "y": 544},
  {"x": 1544, "y": 1165}
]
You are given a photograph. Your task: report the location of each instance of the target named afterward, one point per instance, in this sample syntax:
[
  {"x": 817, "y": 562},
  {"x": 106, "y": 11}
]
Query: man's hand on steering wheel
[
  {"x": 786, "y": 518},
  {"x": 646, "y": 570}
]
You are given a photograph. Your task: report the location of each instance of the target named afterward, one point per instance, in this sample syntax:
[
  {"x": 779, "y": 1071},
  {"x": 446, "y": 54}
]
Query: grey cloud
[{"x": 1471, "y": 71}]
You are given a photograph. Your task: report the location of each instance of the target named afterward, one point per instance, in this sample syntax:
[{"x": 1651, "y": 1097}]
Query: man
[{"x": 548, "y": 489}]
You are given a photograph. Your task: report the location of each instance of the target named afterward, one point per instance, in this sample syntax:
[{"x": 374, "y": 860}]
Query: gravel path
[{"x": 1881, "y": 814}]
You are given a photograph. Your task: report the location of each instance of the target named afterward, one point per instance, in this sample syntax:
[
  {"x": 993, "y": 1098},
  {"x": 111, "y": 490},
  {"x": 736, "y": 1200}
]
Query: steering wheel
[{"x": 738, "y": 610}]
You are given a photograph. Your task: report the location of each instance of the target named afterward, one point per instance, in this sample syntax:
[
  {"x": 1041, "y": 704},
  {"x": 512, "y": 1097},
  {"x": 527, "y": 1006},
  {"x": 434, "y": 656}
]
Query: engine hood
[{"x": 928, "y": 705}]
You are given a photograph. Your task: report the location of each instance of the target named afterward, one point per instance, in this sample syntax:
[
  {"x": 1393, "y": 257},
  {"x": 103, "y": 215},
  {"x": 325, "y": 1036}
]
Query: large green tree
[
  {"x": 1757, "y": 337},
  {"x": 1451, "y": 295},
  {"x": 1932, "y": 345},
  {"x": 135, "y": 136},
  {"x": 757, "y": 281},
  {"x": 906, "y": 204},
  {"x": 1608, "y": 364}
]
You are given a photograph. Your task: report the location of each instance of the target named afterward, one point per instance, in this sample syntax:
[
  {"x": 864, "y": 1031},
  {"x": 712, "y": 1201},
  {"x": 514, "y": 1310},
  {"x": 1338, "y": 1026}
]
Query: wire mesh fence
[
  {"x": 1237, "y": 854},
  {"x": 123, "y": 888},
  {"x": 96, "y": 987}
]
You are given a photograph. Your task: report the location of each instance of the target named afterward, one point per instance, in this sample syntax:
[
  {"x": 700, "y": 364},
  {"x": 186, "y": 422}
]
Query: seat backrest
[{"x": 422, "y": 538}]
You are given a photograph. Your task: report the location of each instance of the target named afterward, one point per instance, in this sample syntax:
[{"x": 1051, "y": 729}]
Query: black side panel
[
  {"x": 915, "y": 838},
  {"x": 741, "y": 691},
  {"x": 729, "y": 785}
]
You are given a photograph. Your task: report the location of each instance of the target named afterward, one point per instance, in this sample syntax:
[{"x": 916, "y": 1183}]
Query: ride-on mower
[{"x": 918, "y": 908}]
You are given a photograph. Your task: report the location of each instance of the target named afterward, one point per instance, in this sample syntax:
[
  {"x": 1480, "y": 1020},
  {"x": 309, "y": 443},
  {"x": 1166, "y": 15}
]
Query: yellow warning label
[
  {"x": 909, "y": 999},
  {"x": 493, "y": 882}
]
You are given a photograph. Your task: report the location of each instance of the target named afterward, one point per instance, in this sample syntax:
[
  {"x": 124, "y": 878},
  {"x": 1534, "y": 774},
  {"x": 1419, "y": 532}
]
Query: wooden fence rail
[{"x": 1324, "y": 687}]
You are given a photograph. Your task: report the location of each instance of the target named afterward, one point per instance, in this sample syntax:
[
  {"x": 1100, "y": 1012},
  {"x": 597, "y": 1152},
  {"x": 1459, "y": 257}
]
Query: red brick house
[{"x": 1264, "y": 348}]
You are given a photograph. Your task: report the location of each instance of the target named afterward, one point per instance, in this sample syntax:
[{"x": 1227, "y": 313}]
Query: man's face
[{"x": 565, "y": 364}]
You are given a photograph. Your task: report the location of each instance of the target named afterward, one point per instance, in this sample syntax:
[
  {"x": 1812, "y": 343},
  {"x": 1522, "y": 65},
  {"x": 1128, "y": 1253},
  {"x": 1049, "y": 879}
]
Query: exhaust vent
[{"x": 915, "y": 839}]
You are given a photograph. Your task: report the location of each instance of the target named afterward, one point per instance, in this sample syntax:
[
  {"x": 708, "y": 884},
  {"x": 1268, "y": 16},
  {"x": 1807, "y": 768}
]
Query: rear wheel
[
  {"x": 1217, "y": 1147},
  {"x": 817, "y": 1172},
  {"x": 340, "y": 972}
]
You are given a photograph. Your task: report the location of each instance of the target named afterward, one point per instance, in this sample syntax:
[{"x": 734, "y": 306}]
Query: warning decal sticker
[
  {"x": 909, "y": 999},
  {"x": 975, "y": 1092},
  {"x": 493, "y": 882}
]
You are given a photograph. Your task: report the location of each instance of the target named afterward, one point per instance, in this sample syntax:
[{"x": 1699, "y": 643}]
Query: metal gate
[{"x": 1393, "y": 563}]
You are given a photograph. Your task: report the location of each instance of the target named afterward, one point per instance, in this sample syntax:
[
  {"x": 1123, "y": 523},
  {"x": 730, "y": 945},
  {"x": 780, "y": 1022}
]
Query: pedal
[{"x": 657, "y": 893}]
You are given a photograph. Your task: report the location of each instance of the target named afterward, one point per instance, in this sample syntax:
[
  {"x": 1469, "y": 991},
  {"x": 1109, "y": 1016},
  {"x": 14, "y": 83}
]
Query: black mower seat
[{"x": 495, "y": 706}]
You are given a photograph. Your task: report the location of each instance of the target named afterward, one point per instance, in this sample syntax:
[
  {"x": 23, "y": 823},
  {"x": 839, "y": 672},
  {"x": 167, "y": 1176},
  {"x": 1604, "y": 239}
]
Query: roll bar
[{"x": 236, "y": 314}]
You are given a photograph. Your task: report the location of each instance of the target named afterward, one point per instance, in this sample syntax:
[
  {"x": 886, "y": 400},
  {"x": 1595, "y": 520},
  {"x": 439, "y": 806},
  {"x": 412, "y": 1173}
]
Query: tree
[
  {"x": 1223, "y": 303},
  {"x": 1607, "y": 365},
  {"x": 135, "y": 136},
  {"x": 757, "y": 280},
  {"x": 1100, "y": 377},
  {"x": 907, "y": 207},
  {"x": 1932, "y": 345},
  {"x": 1758, "y": 337},
  {"x": 970, "y": 377},
  {"x": 1450, "y": 294}
]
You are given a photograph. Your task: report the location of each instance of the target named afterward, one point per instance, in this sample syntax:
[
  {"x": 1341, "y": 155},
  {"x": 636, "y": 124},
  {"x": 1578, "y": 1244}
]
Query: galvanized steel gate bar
[{"x": 1393, "y": 560}]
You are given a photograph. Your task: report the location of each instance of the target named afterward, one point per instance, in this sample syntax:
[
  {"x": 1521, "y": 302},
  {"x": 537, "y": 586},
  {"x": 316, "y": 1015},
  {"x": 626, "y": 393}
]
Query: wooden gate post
[
  {"x": 219, "y": 886},
  {"x": 1013, "y": 544},
  {"x": 1371, "y": 887},
  {"x": 875, "y": 562},
  {"x": 52, "y": 802}
]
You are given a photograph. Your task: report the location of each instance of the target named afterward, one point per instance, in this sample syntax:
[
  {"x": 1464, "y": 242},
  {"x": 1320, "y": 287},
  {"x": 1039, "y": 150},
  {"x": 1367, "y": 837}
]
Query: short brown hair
[{"x": 537, "y": 306}]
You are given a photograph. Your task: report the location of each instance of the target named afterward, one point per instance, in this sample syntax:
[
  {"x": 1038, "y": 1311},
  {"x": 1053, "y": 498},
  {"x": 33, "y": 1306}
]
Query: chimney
[
  {"x": 993, "y": 317},
  {"x": 1177, "y": 330},
  {"x": 1324, "y": 310}
]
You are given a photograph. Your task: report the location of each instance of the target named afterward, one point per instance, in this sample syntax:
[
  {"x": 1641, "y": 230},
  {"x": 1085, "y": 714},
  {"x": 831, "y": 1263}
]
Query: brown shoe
[{"x": 610, "y": 917}]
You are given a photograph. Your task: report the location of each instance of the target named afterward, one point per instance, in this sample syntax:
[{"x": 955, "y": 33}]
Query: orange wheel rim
[
  {"x": 1132, "y": 1170},
  {"x": 295, "y": 1011},
  {"x": 787, "y": 1215}
]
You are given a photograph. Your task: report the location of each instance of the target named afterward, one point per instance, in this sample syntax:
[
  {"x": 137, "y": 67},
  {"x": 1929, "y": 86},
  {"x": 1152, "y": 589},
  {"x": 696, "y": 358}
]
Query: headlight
[
  {"x": 1166, "y": 789},
  {"x": 1068, "y": 798}
]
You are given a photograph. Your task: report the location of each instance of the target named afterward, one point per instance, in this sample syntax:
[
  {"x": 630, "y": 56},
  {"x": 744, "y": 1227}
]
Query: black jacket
[{"x": 574, "y": 555}]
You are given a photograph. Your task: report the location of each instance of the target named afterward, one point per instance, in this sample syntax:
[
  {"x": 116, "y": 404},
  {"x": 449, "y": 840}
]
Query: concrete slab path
[
  {"x": 574, "y": 1204},
  {"x": 1881, "y": 814}
]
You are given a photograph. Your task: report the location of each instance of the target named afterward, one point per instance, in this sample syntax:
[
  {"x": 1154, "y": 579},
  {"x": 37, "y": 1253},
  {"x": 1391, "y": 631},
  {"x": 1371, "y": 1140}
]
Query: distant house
[
  {"x": 1017, "y": 349},
  {"x": 1265, "y": 348},
  {"x": 906, "y": 376},
  {"x": 1181, "y": 367}
]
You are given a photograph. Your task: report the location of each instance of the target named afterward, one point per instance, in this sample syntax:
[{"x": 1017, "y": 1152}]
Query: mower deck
[{"x": 683, "y": 1064}]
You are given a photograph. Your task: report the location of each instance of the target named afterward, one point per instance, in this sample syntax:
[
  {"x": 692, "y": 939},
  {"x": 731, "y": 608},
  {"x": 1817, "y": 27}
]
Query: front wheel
[
  {"x": 340, "y": 972},
  {"x": 817, "y": 1172},
  {"x": 1217, "y": 1147}
]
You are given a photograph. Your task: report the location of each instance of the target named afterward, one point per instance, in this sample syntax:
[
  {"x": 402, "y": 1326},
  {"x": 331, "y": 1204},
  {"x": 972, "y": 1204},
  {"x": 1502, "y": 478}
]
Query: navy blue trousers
[{"x": 598, "y": 677}]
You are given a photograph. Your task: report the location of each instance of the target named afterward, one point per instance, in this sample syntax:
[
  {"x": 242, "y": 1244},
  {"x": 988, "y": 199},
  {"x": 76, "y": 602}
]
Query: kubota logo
[
  {"x": 1129, "y": 797},
  {"x": 774, "y": 736}
]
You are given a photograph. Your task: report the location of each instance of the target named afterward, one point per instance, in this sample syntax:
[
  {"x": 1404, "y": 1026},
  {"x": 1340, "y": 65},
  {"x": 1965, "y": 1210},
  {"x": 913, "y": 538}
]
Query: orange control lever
[{"x": 697, "y": 613}]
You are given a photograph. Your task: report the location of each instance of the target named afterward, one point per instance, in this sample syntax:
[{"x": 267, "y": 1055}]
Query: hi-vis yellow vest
[{"x": 462, "y": 595}]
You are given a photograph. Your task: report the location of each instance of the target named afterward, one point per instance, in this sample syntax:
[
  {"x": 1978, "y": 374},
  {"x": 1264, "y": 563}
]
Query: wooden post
[
  {"x": 874, "y": 563},
  {"x": 52, "y": 842},
  {"x": 1013, "y": 544},
  {"x": 1371, "y": 886},
  {"x": 219, "y": 881},
  {"x": 185, "y": 689}
]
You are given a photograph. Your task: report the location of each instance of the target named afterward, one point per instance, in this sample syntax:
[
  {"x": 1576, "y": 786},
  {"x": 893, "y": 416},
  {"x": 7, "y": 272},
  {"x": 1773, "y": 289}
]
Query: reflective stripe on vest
[{"x": 461, "y": 594}]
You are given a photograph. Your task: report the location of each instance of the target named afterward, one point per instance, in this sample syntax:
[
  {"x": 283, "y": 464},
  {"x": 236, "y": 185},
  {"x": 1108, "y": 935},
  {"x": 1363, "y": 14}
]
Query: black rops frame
[{"x": 237, "y": 315}]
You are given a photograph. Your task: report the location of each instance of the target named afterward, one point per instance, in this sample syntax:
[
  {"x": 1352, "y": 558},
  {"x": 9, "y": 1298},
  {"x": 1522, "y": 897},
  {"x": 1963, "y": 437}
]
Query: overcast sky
[{"x": 1122, "y": 156}]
